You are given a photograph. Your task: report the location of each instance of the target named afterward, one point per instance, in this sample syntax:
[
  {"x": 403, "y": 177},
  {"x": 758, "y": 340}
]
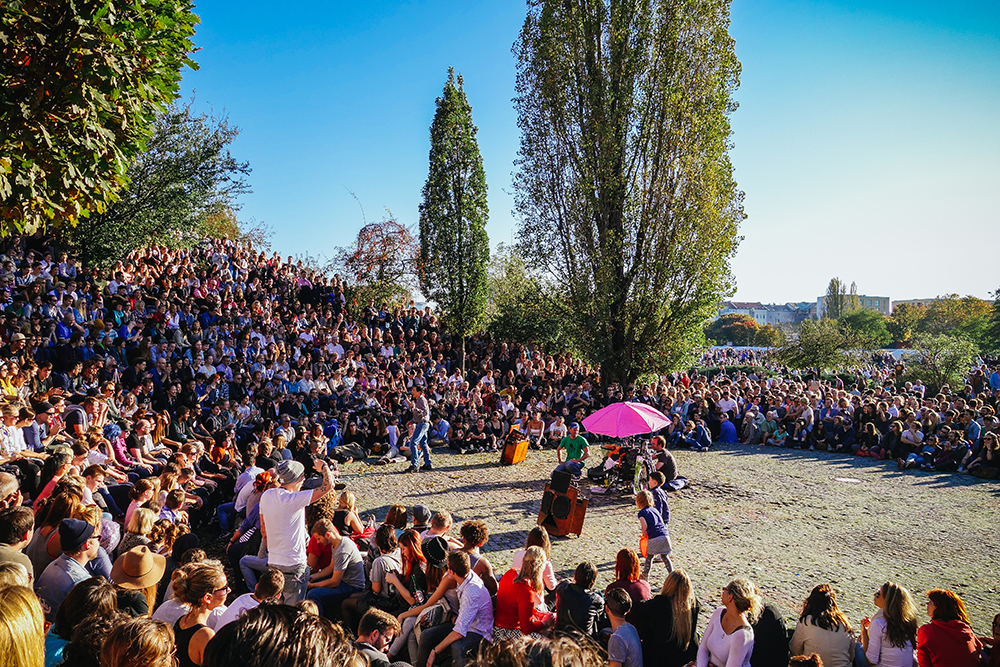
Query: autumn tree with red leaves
[{"x": 381, "y": 263}]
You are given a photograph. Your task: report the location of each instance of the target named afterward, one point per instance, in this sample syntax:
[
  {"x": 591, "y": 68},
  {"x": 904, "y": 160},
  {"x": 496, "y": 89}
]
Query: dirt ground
[{"x": 786, "y": 519}]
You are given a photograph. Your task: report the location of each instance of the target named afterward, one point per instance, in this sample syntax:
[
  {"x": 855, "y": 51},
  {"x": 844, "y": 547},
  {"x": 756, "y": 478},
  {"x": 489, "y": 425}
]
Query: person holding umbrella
[{"x": 577, "y": 451}]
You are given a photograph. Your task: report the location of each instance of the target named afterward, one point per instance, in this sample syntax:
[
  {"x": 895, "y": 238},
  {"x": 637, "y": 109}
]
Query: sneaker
[
  {"x": 961, "y": 468},
  {"x": 812, "y": 448},
  {"x": 426, "y": 467},
  {"x": 411, "y": 469}
]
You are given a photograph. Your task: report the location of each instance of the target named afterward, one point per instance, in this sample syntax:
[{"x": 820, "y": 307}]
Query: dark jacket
[
  {"x": 653, "y": 620},
  {"x": 578, "y": 610}
]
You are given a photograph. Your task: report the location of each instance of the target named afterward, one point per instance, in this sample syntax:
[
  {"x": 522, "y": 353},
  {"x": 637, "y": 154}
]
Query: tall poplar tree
[
  {"x": 623, "y": 184},
  {"x": 454, "y": 247}
]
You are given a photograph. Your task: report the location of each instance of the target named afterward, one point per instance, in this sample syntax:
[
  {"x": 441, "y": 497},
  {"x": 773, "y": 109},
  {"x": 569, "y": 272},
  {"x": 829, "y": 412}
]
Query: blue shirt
[
  {"x": 728, "y": 432},
  {"x": 654, "y": 522},
  {"x": 57, "y": 580},
  {"x": 660, "y": 503}
]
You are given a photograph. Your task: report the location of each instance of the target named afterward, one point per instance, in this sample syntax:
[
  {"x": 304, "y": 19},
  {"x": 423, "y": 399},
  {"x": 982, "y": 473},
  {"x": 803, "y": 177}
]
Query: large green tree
[
  {"x": 733, "y": 328},
  {"x": 178, "y": 188},
  {"x": 867, "y": 326},
  {"x": 820, "y": 344},
  {"x": 454, "y": 247},
  {"x": 940, "y": 360},
  {"x": 624, "y": 184},
  {"x": 81, "y": 83}
]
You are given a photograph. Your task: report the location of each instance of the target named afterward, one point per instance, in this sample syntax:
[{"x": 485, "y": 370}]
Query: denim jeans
[
  {"x": 225, "y": 512},
  {"x": 328, "y": 599},
  {"x": 418, "y": 444},
  {"x": 296, "y": 578},
  {"x": 250, "y": 566},
  {"x": 467, "y": 645},
  {"x": 572, "y": 467}
]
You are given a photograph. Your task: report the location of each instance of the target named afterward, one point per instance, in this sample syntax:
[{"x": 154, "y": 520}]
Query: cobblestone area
[{"x": 787, "y": 519}]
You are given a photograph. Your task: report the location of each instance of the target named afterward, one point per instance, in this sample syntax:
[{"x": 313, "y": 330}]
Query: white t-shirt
[
  {"x": 283, "y": 515},
  {"x": 240, "y": 606},
  {"x": 883, "y": 654}
]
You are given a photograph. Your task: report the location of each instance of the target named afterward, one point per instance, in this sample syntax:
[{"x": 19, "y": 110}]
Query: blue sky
[{"x": 867, "y": 139}]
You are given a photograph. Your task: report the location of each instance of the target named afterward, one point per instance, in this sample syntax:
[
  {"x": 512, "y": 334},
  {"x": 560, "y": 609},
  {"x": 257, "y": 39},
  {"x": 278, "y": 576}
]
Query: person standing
[
  {"x": 577, "y": 450},
  {"x": 283, "y": 524},
  {"x": 422, "y": 422}
]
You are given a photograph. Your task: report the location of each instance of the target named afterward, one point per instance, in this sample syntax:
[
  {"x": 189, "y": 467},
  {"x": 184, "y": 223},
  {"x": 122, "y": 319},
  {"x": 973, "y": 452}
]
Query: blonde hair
[
  {"x": 677, "y": 587},
  {"x": 746, "y": 598},
  {"x": 22, "y": 628},
  {"x": 644, "y": 499},
  {"x": 13, "y": 574},
  {"x": 532, "y": 567},
  {"x": 141, "y": 522},
  {"x": 346, "y": 501}
]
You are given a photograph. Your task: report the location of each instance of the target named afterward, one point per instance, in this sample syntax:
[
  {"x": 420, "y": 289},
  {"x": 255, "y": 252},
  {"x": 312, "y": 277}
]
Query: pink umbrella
[{"x": 620, "y": 420}]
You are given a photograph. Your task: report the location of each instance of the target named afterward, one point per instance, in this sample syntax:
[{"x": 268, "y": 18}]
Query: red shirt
[{"x": 323, "y": 551}]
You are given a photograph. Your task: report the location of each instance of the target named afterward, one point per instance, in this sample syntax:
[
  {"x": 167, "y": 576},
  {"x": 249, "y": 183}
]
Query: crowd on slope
[{"x": 219, "y": 388}]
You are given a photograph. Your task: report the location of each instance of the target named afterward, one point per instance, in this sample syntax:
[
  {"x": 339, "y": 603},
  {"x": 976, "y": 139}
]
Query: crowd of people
[{"x": 220, "y": 391}]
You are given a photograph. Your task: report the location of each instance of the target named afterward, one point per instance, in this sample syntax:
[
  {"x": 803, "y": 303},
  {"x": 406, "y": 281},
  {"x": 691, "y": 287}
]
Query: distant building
[
  {"x": 881, "y": 304},
  {"x": 769, "y": 313},
  {"x": 915, "y": 302}
]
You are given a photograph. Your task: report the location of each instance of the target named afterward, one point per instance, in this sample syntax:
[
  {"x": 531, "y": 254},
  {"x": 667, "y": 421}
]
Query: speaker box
[
  {"x": 514, "y": 451},
  {"x": 561, "y": 481},
  {"x": 562, "y": 513}
]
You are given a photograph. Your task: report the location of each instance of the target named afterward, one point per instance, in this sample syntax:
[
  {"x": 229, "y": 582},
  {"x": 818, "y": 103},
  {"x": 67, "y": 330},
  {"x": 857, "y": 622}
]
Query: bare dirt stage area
[{"x": 786, "y": 519}]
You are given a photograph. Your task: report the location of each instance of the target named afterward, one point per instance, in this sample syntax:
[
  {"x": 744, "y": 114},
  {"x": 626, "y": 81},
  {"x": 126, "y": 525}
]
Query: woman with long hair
[
  {"x": 627, "y": 577},
  {"x": 538, "y": 537},
  {"x": 948, "y": 640},
  {"x": 22, "y": 628},
  {"x": 728, "y": 638},
  {"x": 824, "y": 629},
  {"x": 204, "y": 587},
  {"x": 887, "y": 640},
  {"x": 91, "y": 596},
  {"x": 674, "y": 608},
  {"x": 413, "y": 579},
  {"x": 140, "y": 642},
  {"x": 520, "y": 610}
]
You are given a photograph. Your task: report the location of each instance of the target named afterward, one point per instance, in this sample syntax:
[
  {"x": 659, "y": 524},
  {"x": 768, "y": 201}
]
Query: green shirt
[{"x": 574, "y": 446}]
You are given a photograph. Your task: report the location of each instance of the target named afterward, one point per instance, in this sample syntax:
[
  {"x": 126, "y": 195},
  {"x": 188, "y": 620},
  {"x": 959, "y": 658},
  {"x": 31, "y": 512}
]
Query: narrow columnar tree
[
  {"x": 454, "y": 247},
  {"x": 624, "y": 185}
]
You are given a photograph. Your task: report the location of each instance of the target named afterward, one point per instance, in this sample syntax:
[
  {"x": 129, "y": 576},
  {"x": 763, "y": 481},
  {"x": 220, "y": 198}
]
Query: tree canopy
[
  {"x": 624, "y": 184},
  {"x": 81, "y": 84},
  {"x": 184, "y": 182},
  {"x": 381, "y": 263},
  {"x": 454, "y": 247}
]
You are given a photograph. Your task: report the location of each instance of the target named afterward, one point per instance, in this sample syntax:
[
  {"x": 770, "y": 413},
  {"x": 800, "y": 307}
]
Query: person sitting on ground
[
  {"x": 579, "y": 607},
  {"x": 475, "y": 534},
  {"x": 375, "y": 633},
  {"x": 729, "y": 638},
  {"x": 770, "y": 639},
  {"x": 519, "y": 607},
  {"x": 136, "y": 574},
  {"x": 89, "y": 597},
  {"x": 627, "y": 577},
  {"x": 674, "y": 608},
  {"x": 16, "y": 529},
  {"x": 824, "y": 629},
  {"x": 268, "y": 589},
  {"x": 440, "y": 525},
  {"x": 948, "y": 640},
  {"x": 624, "y": 645},
  {"x": 727, "y": 430},
  {"x": 538, "y": 537},
  {"x": 474, "y": 624},
  {"x": 342, "y": 578},
  {"x": 139, "y": 642},
  {"x": 80, "y": 544},
  {"x": 779, "y": 437},
  {"x": 889, "y": 637}
]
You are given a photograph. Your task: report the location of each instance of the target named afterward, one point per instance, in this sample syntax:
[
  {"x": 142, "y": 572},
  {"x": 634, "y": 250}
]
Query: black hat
[
  {"x": 73, "y": 534},
  {"x": 436, "y": 552}
]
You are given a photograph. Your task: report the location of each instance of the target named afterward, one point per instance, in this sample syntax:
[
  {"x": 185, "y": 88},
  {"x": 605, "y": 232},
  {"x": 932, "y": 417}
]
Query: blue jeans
[
  {"x": 467, "y": 645},
  {"x": 329, "y": 599},
  {"x": 572, "y": 467},
  {"x": 226, "y": 512},
  {"x": 418, "y": 444},
  {"x": 250, "y": 566}
]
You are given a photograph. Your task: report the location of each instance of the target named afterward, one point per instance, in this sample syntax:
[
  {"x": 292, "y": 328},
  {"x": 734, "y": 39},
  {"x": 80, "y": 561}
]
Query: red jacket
[
  {"x": 947, "y": 644},
  {"x": 515, "y": 607}
]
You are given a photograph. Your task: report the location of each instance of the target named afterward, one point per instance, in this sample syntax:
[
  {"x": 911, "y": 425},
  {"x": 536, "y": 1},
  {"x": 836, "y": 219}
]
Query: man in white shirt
[
  {"x": 269, "y": 587},
  {"x": 475, "y": 613},
  {"x": 283, "y": 525}
]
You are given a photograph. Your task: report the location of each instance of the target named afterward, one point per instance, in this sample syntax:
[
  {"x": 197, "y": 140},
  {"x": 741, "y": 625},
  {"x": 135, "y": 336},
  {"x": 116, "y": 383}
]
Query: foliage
[
  {"x": 867, "y": 326},
  {"x": 454, "y": 247},
  {"x": 81, "y": 85},
  {"x": 837, "y": 302},
  {"x": 711, "y": 371},
  {"x": 733, "y": 328},
  {"x": 951, "y": 313},
  {"x": 905, "y": 321},
  {"x": 820, "y": 344},
  {"x": 184, "y": 184},
  {"x": 768, "y": 336},
  {"x": 519, "y": 304},
  {"x": 623, "y": 181},
  {"x": 381, "y": 263},
  {"x": 991, "y": 333},
  {"x": 939, "y": 360}
]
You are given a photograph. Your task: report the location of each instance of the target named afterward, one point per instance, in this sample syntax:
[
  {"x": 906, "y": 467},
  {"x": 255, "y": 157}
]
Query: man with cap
[
  {"x": 577, "y": 450},
  {"x": 79, "y": 546},
  {"x": 421, "y": 518},
  {"x": 283, "y": 525}
]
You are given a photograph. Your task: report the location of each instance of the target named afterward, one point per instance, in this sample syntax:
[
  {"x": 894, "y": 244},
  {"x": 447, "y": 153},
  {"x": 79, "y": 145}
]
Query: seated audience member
[
  {"x": 79, "y": 547},
  {"x": 627, "y": 577},
  {"x": 624, "y": 645},
  {"x": 273, "y": 635},
  {"x": 770, "y": 639},
  {"x": 579, "y": 606},
  {"x": 948, "y": 640},
  {"x": 89, "y": 597},
  {"x": 375, "y": 632},
  {"x": 202, "y": 586},
  {"x": 475, "y": 534},
  {"x": 137, "y": 575},
  {"x": 519, "y": 606},
  {"x": 729, "y": 638},
  {"x": 538, "y": 537},
  {"x": 343, "y": 577},
  {"x": 22, "y": 628},
  {"x": 889, "y": 637},
  {"x": 474, "y": 623},
  {"x": 667, "y": 624},
  {"x": 440, "y": 525},
  {"x": 89, "y": 638},
  {"x": 268, "y": 589},
  {"x": 16, "y": 529},
  {"x": 140, "y": 642},
  {"x": 824, "y": 629}
]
